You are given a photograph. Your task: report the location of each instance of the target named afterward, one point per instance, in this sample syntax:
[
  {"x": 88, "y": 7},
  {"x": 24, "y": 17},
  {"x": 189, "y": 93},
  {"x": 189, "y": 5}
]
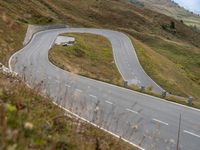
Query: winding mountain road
[{"x": 147, "y": 121}]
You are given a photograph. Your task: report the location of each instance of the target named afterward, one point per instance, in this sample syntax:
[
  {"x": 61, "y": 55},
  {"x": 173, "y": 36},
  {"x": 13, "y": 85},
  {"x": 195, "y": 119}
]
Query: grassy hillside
[
  {"x": 30, "y": 121},
  {"x": 169, "y": 8},
  {"x": 171, "y": 72},
  {"x": 11, "y": 36},
  {"x": 92, "y": 13}
]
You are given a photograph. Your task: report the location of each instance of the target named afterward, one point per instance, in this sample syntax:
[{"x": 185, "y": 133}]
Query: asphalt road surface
[{"x": 147, "y": 121}]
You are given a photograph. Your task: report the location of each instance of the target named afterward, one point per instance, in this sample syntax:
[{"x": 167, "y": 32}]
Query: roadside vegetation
[
  {"x": 30, "y": 121},
  {"x": 175, "y": 66},
  {"x": 11, "y": 37}
]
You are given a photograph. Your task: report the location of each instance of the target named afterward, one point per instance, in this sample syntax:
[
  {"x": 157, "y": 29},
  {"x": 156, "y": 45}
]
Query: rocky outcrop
[{"x": 6, "y": 70}]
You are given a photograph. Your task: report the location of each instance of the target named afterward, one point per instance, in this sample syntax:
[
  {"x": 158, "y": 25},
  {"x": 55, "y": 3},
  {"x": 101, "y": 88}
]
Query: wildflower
[
  {"x": 11, "y": 108},
  {"x": 28, "y": 126}
]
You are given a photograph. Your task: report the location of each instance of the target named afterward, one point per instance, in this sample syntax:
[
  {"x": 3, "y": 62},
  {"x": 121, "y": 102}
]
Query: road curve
[
  {"x": 125, "y": 57},
  {"x": 144, "y": 120}
]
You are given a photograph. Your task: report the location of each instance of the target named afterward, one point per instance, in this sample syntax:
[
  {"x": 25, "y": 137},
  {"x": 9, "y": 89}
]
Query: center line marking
[
  {"x": 135, "y": 112},
  {"x": 93, "y": 96},
  {"x": 57, "y": 81},
  {"x": 185, "y": 131},
  {"x": 160, "y": 122},
  {"x": 78, "y": 90},
  {"x": 109, "y": 102},
  {"x": 67, "y": 85}
]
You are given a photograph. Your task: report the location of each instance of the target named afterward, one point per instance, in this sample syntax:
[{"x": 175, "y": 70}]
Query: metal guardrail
[{"x": 32, "y": 29}]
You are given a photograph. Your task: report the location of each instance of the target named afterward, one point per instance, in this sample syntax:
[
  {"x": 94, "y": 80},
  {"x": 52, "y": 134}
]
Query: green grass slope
[{"x": 90, "y": 56}]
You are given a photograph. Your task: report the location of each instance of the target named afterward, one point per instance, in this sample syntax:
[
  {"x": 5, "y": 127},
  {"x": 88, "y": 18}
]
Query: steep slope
[
  {"x": 30, "y": 121},
  {"x": 97, "y": 14},
  {"x": 170, "y": 8}
]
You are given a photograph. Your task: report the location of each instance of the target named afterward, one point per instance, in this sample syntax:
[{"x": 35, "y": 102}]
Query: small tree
[
  {"x": 97, "y": 145},
  {"x": 172, "y": 25},
  {"x": 182, "y": 21}
]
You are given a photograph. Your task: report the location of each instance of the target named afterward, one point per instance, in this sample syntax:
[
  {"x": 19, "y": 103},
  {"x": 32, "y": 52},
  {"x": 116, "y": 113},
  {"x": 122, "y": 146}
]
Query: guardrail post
[
  {"x": 142, "y": 89},
  {"x": 164, "y": 94},
  {"x": 125, "y": 83},
  {"x": 190, "y": 99}
]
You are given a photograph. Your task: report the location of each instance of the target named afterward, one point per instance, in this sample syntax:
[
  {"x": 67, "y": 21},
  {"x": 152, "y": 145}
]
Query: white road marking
[
  {"x": 75, "y": 115},
  {"x": 188, "y": 132},
  {"x": 57, "y": 81},
  {"x": 93, "y": 96},
  {"x": 135, "y": 112},
  {"x": 67, "y": 85},
  {"x": 109, "y": 102},
  {"x": 78, "y": 90},
  {"x": 162, "y": 122}
]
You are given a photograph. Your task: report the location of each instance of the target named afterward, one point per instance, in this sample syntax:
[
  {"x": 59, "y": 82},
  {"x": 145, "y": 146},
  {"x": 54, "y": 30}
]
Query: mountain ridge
[{"x": 172, "y": 9}]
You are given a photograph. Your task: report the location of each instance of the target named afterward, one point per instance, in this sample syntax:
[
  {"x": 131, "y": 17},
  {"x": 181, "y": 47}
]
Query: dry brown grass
[
  {"x": 170, "y": 9},
  {"x": 166, "y": 72},
  {"x": 11, "y": 37},
  {"x": 30, "y": 121}
]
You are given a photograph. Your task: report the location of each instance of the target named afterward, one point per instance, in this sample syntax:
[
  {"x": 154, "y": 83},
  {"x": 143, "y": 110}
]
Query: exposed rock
[{"x": 7, "y": 71}]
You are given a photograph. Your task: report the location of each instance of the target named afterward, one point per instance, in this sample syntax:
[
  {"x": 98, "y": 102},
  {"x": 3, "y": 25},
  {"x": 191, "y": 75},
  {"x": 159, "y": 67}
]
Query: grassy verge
[
  {"x": 90, "y": 56},
  {"x": 11, "y": 38},
  {"x": 173, "y": 65},
  {"x": 30, "y": 121}
]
